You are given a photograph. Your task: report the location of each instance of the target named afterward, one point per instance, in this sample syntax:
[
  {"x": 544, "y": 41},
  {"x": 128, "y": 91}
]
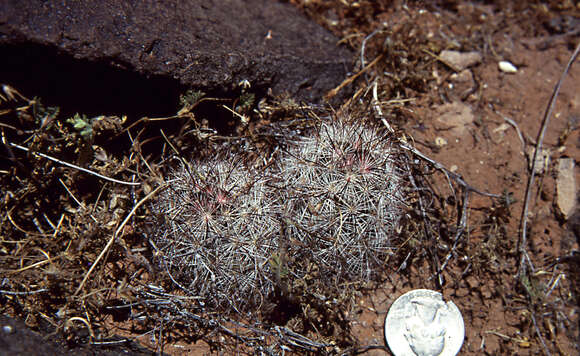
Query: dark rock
[
  {"x": 17, "y": 339},
  {"x": 210, "y": 45}
]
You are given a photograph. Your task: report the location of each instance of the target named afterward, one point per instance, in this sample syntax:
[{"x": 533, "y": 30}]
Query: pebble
[
  {"x": 440, "y": 141},
  {"x": 565, "y": 187},
  {"x": 542, "y": 159},
  {"x": 507, "y": 67},
  {"x": 460, "y": 60}
]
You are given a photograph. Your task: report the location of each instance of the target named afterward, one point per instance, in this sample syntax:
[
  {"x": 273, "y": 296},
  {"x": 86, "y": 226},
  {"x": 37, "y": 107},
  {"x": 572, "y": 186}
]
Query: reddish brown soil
[{"x": 488, "y": 154}]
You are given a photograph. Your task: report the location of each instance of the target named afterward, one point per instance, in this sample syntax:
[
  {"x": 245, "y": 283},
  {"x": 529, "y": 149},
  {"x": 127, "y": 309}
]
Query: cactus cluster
[{"x": 330, "y": 201}]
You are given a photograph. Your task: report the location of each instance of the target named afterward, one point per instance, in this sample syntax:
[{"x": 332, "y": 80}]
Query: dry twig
[
  {"x": 331, "y": 94},
  {"x": 70, "y": 165},
  {"x": 116, "y": 234}
]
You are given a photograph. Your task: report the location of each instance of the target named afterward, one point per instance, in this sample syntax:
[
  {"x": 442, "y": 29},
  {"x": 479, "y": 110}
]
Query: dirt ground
[
  {"x": 478, "y": 122},
  {"x": 489, "y": 155}
]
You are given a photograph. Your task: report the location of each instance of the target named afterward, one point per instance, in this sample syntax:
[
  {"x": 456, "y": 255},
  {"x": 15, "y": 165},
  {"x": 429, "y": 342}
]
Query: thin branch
[
  {"x": 537, "y": 329},
  {"x": 539, "y": 140},
  {"x": 12, "y": 93},
  {"x": 352, "y": 78},
  {"x": 515, "y": 126},
  {"x": 70, "y": 165},
  {"x": 8, "y": 292},
  {"x": 456, "y": 177},
  {"x": 37, "y": 264},
  {"x": 462, "y": 226},
  {"x": 364, "y": 42},
  {"x": 84, "y": 321},
  {"x": 377, "y": 107},
  {"x": 79, "y": 203},
  {"x": 114, "y": 236},
  {"x": 426, "y": 227}
]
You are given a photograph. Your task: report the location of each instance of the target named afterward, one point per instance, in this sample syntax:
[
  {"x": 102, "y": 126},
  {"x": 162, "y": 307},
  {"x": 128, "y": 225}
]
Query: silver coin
[{"x": 421, "y": 323}]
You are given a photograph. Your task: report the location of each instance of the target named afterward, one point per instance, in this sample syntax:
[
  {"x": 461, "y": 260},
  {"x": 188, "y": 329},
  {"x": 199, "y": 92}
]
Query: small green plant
[
  {"x": 83, "y": 125},
  {"x": 44, "y": 115},
  {"x": 245, "y": 102},
  {"x": 191, "y": 97}
]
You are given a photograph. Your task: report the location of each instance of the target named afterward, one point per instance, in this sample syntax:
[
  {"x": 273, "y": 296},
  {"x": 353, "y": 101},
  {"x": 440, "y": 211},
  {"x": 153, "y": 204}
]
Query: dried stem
[
  {"x": 115, "y": 235},
  {"x": 522, "y": 244},
  {"x": 70, "y": 165}
]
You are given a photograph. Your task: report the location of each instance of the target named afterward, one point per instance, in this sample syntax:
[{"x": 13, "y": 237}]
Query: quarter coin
[{"x": 421, "y": 323}]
